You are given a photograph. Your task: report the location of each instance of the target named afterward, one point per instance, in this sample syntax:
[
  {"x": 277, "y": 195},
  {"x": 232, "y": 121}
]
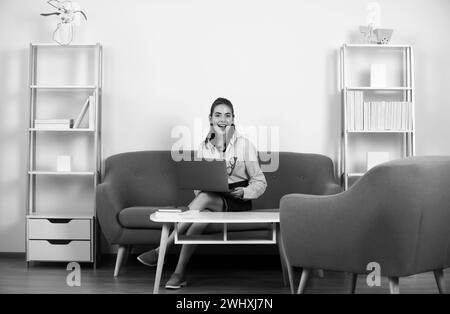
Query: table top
[{"x": 217, "y": 217}]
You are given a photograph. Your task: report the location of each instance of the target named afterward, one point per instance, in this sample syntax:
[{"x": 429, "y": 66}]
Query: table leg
[
  {"x": 162, "y": 253},
  {"x": 285, "y": 266}
]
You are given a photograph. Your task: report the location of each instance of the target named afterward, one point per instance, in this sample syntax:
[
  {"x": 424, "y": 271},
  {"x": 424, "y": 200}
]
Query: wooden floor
[{"x": 206, "y": 275}]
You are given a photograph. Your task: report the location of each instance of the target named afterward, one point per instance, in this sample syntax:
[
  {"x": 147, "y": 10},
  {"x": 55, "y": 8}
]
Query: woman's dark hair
[{"x": 221, "y": 101}]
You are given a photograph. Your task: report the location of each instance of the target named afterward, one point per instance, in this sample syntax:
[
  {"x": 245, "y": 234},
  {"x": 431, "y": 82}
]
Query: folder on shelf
[
  {"x": 91, "y": 112},
  {"x": 82, "y": 113}
]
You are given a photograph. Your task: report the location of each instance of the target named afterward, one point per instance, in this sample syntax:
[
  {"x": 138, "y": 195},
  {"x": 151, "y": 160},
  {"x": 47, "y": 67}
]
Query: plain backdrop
[{"x": 165, "y": 61}]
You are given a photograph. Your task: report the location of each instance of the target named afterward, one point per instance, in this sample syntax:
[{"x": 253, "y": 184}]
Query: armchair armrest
[{"x": 320, "y": 231}]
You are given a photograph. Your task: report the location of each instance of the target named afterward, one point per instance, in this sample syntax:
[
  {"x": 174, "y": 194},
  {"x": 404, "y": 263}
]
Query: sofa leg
[
  {"x": 354, "y": 280},
  {"x": 439, "y": 276},
  {"x": 320, "y": 273},
  {"x": 127, "y": 254},
  {"x": 303, "y": 280},
  {"x": 119, "y": 259},
  {"x": 394, "y": 287}
]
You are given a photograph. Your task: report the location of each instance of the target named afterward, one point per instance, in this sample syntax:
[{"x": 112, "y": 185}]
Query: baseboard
[
  {"x": 12, "y": 254},
  {"x": 206, "y": 259},
  {"x": 201, "y": 250}
]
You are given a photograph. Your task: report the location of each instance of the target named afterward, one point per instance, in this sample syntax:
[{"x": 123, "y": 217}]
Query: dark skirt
[{"x": 232, "y": 204}]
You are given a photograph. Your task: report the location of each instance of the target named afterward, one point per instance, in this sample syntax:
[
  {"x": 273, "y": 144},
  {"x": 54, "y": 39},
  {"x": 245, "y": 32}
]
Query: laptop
[{"x": 203, "y": 175}]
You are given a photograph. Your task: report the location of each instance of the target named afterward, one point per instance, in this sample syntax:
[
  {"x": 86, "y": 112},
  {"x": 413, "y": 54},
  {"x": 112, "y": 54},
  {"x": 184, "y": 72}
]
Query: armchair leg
[
  {"x": 286, "y": 268},
  {"x": 119, "y": 259},
  {"x": 354, "y": 280},
  {"x": 439, "y": 276},
  {"x": 303, "y": 280},
  {"x": 283, "y": 260},
  {"x": 394, "y": 287},
  {"x": 290, "y": 272}
]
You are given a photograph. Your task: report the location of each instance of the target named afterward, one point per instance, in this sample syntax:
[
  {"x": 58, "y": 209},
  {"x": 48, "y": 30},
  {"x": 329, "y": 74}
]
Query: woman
[{"x": 245, "y": 178}]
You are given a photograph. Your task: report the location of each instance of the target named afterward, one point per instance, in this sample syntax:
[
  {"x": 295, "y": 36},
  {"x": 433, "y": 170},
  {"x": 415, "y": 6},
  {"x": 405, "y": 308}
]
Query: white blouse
[{"x": 242, "y": 164}]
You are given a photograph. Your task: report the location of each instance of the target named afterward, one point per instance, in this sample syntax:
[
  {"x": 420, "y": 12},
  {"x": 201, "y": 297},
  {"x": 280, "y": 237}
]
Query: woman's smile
[{"x": 221, "y": 118}]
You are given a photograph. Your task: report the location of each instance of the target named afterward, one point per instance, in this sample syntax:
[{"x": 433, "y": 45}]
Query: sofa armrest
[
  {"x": 331, "y": 188},
  {"x": 109, "y": 204},
  {"x": 325, "y": 182}
]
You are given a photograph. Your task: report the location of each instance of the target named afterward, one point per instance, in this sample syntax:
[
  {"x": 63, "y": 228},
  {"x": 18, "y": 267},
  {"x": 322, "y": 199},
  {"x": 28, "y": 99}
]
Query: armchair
[{"x": 396, "y": 215}]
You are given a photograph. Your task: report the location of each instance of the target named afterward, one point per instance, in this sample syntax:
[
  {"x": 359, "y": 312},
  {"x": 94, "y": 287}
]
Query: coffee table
[{"x": 225, "y": 218}]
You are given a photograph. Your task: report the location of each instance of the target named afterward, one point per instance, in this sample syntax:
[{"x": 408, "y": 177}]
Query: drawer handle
[
  {"x": 59, "y": 220},
  {"x": 59, "y": 242}
]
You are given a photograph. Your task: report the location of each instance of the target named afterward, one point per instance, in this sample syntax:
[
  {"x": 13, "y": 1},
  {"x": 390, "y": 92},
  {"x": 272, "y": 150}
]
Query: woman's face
[{"x": 221, "y": 118}]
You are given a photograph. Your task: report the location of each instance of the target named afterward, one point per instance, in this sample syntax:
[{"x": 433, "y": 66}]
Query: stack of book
[
  {"x": 377, "y": 115},
  {"x": 354, "y": 109},
  {"x": 52, "y": 124},
  {"x": 387, "y": 115}
]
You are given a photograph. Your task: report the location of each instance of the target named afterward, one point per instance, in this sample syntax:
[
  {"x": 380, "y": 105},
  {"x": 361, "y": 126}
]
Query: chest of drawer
[
  {"x": 59, "y": 250},
  {"x": 59, "y": 229}
]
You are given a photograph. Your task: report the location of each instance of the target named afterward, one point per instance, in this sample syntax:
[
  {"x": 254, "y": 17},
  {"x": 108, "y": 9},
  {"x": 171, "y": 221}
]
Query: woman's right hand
[{"x": 237, "y": 192}]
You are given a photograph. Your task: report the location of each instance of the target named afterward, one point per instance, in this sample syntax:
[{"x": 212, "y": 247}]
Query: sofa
[
  {"x": 396, "y": 215},
  {"x": 136, "y": 183}
]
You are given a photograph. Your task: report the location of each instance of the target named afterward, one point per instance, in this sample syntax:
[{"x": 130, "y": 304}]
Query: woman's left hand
[{"x": 237, "y": 192}]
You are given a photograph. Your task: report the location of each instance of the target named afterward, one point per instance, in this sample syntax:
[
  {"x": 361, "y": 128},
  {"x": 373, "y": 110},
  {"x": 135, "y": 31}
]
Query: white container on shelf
[
  {"x": 378, "y": 75},
  {"x": 63, "y": 163}
]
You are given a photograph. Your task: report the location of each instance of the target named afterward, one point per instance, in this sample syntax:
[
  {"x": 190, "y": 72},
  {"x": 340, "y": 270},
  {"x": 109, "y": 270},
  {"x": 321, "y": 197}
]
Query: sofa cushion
[{"x": 138, "y": 217}]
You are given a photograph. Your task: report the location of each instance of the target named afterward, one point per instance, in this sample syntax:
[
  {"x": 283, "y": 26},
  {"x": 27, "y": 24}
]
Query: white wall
[{"x": 165, "y": 61}]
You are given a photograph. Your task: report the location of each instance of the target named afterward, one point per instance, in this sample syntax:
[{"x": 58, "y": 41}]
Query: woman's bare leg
[
  {"x": 209, "y": 201},
  {"x": 199, "y": 203}
]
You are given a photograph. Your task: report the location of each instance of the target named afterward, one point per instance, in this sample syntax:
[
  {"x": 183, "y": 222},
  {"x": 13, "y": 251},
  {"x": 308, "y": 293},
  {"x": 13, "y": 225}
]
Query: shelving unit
[
  {"x": 63, "y": 87},
  {"x": 65, "y": 173},
  {"x": 62, "y": 130},
  {"x": 351, "y": 88},
  {"x": 62, "y": 236},
  {"x": 407, "y": 95}
]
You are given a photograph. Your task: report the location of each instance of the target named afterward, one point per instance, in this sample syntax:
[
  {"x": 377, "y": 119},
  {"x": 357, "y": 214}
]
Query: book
[
  {"x": 351, "y": 111},
  {"x": 173, "y": 209},
  {"x": 50, "y": 124},
  {"x": 81, "y": 114},
  {"x": 366, "y": 114},
  {"x": 360, "y": 102},
  {"x": 53, "y": 121},
  {"x": 91, "y": 112},
  {"x": 169, "y": 211},
  {"x": 410, "y": 116}
]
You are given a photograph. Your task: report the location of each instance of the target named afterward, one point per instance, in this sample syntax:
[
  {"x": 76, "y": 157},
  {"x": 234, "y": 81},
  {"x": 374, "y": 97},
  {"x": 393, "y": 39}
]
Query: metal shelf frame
[
  {"x": 408, "y": 94},
  {"x": 34, "y": 87}
]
